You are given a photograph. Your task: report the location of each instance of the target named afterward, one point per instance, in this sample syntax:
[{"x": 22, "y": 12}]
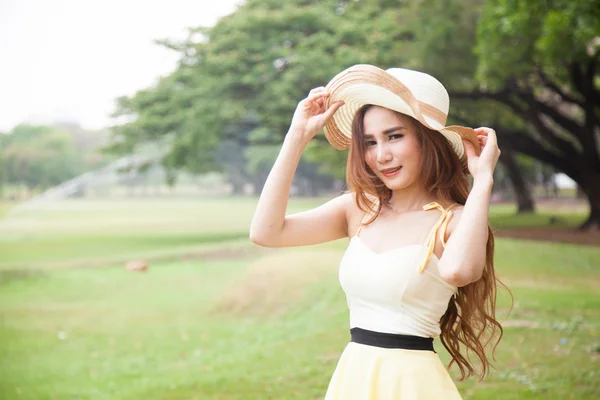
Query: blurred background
[{"x": 135, "y": 138}]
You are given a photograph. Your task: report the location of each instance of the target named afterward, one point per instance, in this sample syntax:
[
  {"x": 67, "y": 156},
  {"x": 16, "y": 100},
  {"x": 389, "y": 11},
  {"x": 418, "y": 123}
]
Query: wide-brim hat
[{"x": 409, "y": 92}]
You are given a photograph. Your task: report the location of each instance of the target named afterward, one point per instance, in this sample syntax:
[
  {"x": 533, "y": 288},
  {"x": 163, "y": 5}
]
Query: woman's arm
[
  {"x": 464, "y": 257},
  {"x": 270, "y": 226}
]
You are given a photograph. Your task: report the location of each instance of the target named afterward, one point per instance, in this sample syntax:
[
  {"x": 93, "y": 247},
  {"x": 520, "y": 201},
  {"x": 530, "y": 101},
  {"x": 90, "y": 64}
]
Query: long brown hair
[{"x": 470, "y": 318}]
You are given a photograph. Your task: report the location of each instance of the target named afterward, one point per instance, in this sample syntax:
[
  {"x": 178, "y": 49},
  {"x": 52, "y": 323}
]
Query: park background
[{"x": 125, "y": 266}]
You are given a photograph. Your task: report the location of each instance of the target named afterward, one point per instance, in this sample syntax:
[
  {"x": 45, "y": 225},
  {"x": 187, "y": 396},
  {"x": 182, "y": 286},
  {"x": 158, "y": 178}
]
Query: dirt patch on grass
[
  {"x": 552, "y": 235},
  {"x": 217, "y": 252},
  {"x": 222, "y": 254},
  {"x": 276, "y": 283}
]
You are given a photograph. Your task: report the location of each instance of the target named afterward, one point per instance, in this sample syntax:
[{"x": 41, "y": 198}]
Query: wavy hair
[{"x": 470, "y": 319}]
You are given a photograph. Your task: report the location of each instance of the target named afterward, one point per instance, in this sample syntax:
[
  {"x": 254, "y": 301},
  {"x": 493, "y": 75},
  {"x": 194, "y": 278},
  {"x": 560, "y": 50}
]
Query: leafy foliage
[
  {"x": 533, "y": 61},
  {"x": 540, "y": 59},
  {"x": 518, "y": 37},
  {"x": 258, "y": 63},
  {"x": 38, "y": 156}
]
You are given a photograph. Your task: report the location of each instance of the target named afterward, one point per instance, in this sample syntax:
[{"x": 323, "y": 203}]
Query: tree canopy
[
  {"x": 239, "y": 81},
  {"x": 540, "y": 59},
  {"x": 39, "y": 157}
]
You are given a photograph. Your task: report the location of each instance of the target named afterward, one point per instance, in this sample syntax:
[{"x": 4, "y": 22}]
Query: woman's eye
[
  {"x": 396, "y": 136},
  {"x": 370, "y": 143}
]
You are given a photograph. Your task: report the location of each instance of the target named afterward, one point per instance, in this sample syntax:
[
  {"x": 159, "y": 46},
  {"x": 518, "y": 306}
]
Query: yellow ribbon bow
[{"x": 441, "y": 226}]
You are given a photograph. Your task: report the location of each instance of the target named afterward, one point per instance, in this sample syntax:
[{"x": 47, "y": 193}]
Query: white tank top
[{"x": 400, "y": 290}]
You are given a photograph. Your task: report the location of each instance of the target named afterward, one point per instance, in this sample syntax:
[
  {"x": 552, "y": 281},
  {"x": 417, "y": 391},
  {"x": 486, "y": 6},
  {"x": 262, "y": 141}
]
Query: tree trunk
[
  {"x": 589, "y": 185},
  {"x": 238, "y": 188},
  {"x": 258, "y": 182},
  {"x": 524, "y": 199},
  {"x": 314, "y": 188},
  {"x": 302, "y": 187}
]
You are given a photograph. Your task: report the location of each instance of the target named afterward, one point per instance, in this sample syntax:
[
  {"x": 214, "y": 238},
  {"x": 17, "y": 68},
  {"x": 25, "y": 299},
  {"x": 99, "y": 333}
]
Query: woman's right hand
[{"x": 310, "y": 115}]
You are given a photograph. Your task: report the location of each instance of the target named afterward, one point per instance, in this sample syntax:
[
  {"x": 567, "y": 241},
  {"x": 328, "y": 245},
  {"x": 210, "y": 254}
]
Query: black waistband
[{"x": 390, "y": 340}]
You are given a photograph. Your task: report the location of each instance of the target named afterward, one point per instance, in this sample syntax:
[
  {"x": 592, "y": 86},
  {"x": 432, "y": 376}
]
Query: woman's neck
[{"x": 410, "y": 199}]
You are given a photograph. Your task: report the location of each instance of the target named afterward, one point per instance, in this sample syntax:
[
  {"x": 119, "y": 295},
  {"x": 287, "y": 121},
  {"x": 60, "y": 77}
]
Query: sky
[{"x": 68, "y": 60}]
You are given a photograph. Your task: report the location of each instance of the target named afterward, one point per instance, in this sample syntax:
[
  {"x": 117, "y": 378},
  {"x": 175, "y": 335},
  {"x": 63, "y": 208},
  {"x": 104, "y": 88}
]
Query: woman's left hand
[{"x": 483, "y": 165}]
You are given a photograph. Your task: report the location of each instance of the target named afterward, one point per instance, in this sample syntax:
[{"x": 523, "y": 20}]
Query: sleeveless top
[{"x": 398, "y": 291}]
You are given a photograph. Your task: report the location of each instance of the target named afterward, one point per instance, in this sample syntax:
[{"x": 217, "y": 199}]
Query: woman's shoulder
[
  {"x": 347, "y": 201},
  {"x": 351, "y": 202},
  {"x": 354, "y": 214}
]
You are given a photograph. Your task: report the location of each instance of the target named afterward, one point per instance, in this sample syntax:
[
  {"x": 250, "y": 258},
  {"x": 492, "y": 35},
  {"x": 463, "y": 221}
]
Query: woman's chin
[{"x": 397, "y": 184}]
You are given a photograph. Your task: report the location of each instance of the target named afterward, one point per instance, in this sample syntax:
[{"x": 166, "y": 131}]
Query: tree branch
[
  {"x": 543, "y": 108},
  {"x": 523, "y": 143},
  {"x": 530, "y": 114},
  {"x": 533, "y": 112},
  {"x": 245, "y": 142},
  {"x": 589, "y": 79},
  {"x": 585, "y": 84},
  {"x": 546, "y": 81}
]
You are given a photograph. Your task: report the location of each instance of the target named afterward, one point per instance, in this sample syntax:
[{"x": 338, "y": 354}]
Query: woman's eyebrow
[{"x": 394, "y": 129}]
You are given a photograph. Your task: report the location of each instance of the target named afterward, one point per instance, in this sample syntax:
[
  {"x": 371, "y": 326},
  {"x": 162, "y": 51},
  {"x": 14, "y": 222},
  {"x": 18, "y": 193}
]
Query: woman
[{"x": 420, "y": 259}]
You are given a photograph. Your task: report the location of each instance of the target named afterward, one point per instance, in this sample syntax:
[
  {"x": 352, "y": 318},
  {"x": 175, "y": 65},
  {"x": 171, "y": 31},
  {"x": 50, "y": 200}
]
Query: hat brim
[{"x": 366, "y": 84}]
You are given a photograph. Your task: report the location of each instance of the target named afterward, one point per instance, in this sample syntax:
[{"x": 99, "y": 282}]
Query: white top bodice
[{"x": 400, "y": 290}]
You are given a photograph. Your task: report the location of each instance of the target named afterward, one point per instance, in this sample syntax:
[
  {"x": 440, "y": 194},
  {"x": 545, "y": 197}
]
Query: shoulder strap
[
  {"x": 366, "y": 217},
  {"x": 440, "y": 227}
]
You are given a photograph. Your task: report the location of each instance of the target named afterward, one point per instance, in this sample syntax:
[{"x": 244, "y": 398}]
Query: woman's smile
[{"x": 390, "y": 172}]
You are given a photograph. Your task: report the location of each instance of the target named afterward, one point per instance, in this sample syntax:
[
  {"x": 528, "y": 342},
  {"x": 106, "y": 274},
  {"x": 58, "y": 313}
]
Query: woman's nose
[{"x": 383, "y": 154}]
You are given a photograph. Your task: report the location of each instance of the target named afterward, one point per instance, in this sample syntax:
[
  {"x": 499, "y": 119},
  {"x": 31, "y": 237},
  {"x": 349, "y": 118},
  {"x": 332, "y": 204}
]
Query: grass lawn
[
  {"x": 5, "y": 207},
  {"x": 217, "y": 318}
]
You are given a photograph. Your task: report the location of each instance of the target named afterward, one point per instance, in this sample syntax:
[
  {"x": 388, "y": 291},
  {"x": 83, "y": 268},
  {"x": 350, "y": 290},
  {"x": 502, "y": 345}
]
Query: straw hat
[{"x": 413, "y": 93}]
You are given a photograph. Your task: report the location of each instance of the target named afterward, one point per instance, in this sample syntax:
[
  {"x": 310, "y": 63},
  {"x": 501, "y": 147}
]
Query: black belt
[{"x": 391, "y": 340}]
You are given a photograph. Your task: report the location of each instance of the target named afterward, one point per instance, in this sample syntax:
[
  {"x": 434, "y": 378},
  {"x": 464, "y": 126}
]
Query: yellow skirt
[{"x": 374, "y": 373}]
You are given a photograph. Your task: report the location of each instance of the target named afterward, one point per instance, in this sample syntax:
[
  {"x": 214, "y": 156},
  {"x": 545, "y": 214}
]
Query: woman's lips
[{"x": 393, "y": 172}]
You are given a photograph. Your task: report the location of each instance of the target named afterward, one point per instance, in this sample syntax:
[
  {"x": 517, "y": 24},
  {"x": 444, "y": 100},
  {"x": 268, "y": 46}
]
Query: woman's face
[{"x": 392, "y": 149}]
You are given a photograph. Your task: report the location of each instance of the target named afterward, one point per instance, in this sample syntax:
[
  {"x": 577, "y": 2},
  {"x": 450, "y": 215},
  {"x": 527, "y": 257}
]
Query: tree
[
  {"x": 540, "y": 59},
  {"x": 39, "y": 156},
  {"x": 258, "y": 63},
  {"x": 262, "y": 59},
  {"x": 525, "y": 202}
]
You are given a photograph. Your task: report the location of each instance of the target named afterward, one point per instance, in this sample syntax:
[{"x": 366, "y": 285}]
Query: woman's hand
[
  {"x": 482, "y": 166},
  {"x": 310, "y": 115}
]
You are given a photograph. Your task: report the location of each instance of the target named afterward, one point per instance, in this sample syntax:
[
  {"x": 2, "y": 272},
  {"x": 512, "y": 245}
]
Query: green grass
[
  {"x": 509, "y": 220},
  {"x": 209, "y": 322},
  {"x": 81, "y": 250},
  {"x": 5, "y": 207},
  {"x": 505, "y": 216},
  {"x": 80, "y": 233}
]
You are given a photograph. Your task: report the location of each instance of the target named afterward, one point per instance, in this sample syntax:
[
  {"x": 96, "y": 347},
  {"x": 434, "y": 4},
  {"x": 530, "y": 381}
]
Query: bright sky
[{"x": 67, "y": 60}]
